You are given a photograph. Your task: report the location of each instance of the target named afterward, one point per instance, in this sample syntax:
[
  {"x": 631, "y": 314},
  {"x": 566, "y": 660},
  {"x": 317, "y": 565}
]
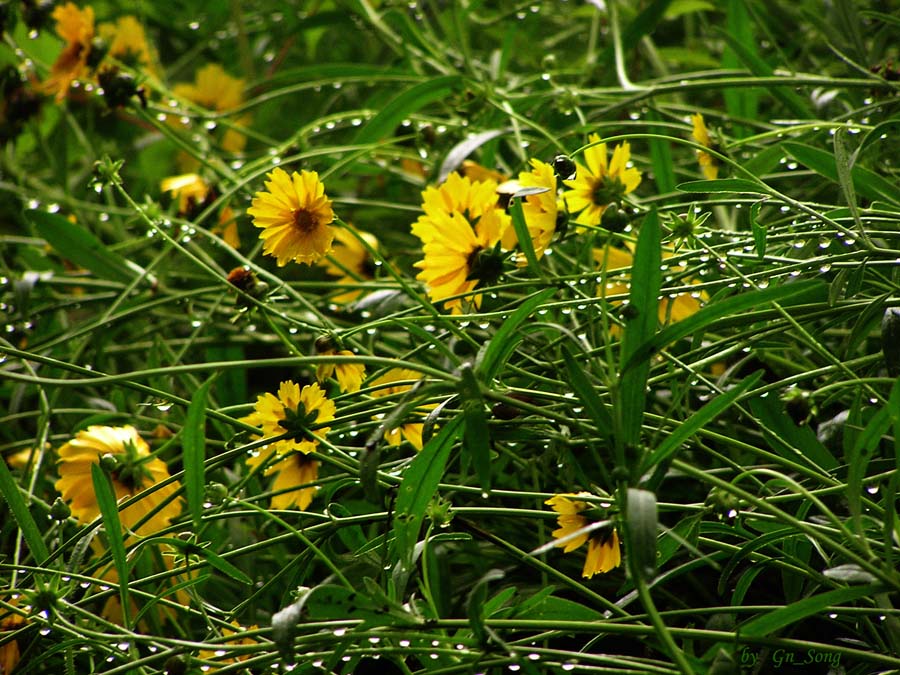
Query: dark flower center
[
  {"x": 298, "y": 422},
  {"x": 304, "y": 221},
  {"x": 485, "y": 264},
  {"x": 607, "y": 191}
]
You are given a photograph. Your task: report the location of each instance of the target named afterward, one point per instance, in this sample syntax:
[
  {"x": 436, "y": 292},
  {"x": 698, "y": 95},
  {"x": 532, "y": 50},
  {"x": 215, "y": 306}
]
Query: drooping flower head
[
  {"x": 128, "y": 43},
  {"x": 385, "y": 386},
  {"x": 194, "y": 194},
  {"x": 215, "y": 89},
  {"x": 604, "y": 552},
  {"x": 135, "y": 470},
  {"x": 76, "y": 27},
  {"x": 673, "y": 307},
  {"x": 600, "y": 184},
  {"x": 540, "y": 209},
  {"x": 351, "y": 261},
  {"x": 295, "y": 216},
  {"x": 708, "y": 163},
  {"x": 349, "y": 375},
  {"x": 460, "y": 232},
  {"x": 219, "y": 656},
  {"x": 295, "y": 477},
  {"x": 294, "y": 412}
]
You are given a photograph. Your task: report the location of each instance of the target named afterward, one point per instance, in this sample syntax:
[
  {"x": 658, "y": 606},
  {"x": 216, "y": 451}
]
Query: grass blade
[
  {"x": 415, "y": 98},
  {"x": 22, "y": 515},
  {"x": 109, "y": 512},
  {"x": 194, "y": 445}
]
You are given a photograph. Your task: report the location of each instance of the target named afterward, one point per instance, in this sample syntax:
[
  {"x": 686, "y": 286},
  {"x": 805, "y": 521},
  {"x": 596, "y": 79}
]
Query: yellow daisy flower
[
  {"x": 350, "y": 261},
  {"x": 76, "y": 27},
  {"x": 293, "y": 411},
  {"x": 295, "y": 469},
  {"x": 540, "y": 210},
  {"x": 136, "y": 471},
  {"x": 457, "y": 194},
  {"x": 604, "y": 551},
  {"x": 295, "y": 216},
  {"x": 384, "y": 386},
  {"x": 708, "y": 163},
  {"x": 193, "y": 194},
  {"x": 475, "y": 172},
  {"x": 599, "y": 184},
  {"x": 128, "y": 43},
  {"x": 10, "y": 621},
  {"x": 671, "y": 308},
  {"x": 215, "y": 89},
  {"x": 222, "y": 660},
  {"x": 349, "y": 375}
]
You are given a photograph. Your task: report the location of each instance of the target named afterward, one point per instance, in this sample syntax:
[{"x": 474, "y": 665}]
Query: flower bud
[{"x": 60, "y": 510}]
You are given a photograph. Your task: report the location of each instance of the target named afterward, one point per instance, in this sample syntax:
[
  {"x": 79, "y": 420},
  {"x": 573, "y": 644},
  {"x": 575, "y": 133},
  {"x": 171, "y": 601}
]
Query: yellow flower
[
  {"x": 293, "y": 412},
  {"x": 136, "y": 471},
  {"x": 128, "y": 43},
  {"x": 215, "y": 89},
  {"x": 349, "y": 375},
  {"x": 193, "y": 195},
  {"x": 294, "y": 470},
  {"x": 708, "y": 163},
  {"x": 604, "y": 551},
  {"x": 295, "y": 216},
  {"x": 218, "y": 657},
  {"x": 457, "y": 194},
  {"x": 76, "y": 27},
  {"x": 540, "y": 210},
  {"x": 9, "y": 651},
  {"x": 351, "y": 261},
  {"x": 384, "y": 386},
  {"x": 475, "y": 172},
  {"x": 671, "y": 308},
  {"x": 598, "y": 185}
]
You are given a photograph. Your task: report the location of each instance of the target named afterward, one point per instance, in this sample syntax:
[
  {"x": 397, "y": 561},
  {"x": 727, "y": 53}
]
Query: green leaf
[
  {"x": 76, "y": 243},
  {"x": 740, "y": 102},
  {"x": 737, "y": 185},
  {"x": 661, "y": 157},
  {"x": 765, "y": 625},
  {"x": 477, "y": 442},
  {"x": 194, "y": 447},
  {"x": 642, "y": 525},
  {"x": 810, "y": 290},
  {"x": 859, "y": 457},
  {"x": 475, "y": 604},
  {"x": 500, "y": 347},
  {"x": 551, "y": 608},
  {"x": 109, "y": 512},
  {"x": 22, "y": 515},
  {"x": 418, "y": 487},
  {"x": 642, "y": 317},
  {"x": 866, "y": 183},
  {"x": 522, "y": 234},
  {"x": 407, "y": 102},
  {"x": 698, "y": 420},
  {"x": 213, "y": 558},
  {"x": 587, "y": 394},
  {"x": 759, "y": 231},
  {"x": 788, "y": 439},
  {"x": 644, "y": 24}
]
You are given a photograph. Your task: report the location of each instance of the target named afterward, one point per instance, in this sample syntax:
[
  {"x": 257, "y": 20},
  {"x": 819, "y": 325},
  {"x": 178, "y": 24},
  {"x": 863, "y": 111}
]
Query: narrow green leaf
[
  {"x": 644, "y": 24},
  {"x": 736, "y": 185},
  {"x": 22, "y": 515},
  {"x": 640, "y": 325},
  {"x": 500, "y": 347},
  {"x": 740, "y": 102},
  {"x": 77, "y": 244},
  {"x": 109, "y": 512},
  {"x": 661, "y": 157},
  {"x": 476, "y": 602},
  {"x": 194, "y": 447},
  {"x": 858, "y": 460},
  {"x": 586, "y": 393},
  {"x": 407, "y": 102},
  {"x": 788, "y": 439},
  {"x": 866, "y": 183},
  {"x": 755, "y": 64},
  {"x": 759, "y": 230},
  {"x": 524, "y": 237},
  {"x": 213, "y": 558},
  {"x": 477, "y": 442},
  {"x": 765, "y": 625},
  {"x": 698, "y": 420},
  {"x": 418, "y": 486},
  {"x": 642, "y": 525},
  {"x": 811, "y": 290}
]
